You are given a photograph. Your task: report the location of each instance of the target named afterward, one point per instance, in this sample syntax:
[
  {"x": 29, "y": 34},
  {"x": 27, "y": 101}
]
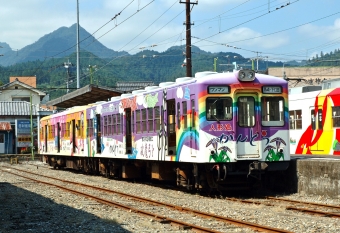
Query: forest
[{"x": 54, "y": 74}]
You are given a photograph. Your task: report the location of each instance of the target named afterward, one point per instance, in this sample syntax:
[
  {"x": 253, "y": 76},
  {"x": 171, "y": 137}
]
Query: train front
[{"x": 244, "y": 127}]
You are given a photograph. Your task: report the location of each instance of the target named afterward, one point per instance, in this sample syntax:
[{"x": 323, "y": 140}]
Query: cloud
[{"x": 330, "y": 31}]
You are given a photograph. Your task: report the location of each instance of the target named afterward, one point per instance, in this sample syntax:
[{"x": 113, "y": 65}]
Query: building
[
  {"x": 19, "y": 103},
  {"x": 306, "y": 76}
]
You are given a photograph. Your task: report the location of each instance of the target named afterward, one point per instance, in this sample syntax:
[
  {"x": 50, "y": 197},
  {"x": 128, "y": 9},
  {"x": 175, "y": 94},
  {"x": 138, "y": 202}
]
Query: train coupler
[{"x": 256, "y": 168}]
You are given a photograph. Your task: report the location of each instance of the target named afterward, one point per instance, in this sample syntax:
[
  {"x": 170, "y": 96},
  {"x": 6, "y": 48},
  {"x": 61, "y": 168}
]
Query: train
[
  {"x": 314, "y": 117},
  {"x": 215, "y": 131}
]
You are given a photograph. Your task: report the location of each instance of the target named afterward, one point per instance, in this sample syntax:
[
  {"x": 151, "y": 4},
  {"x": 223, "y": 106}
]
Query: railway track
[
  {"x": 303, "y": 210},
  {"x": 159, "y": 217}
]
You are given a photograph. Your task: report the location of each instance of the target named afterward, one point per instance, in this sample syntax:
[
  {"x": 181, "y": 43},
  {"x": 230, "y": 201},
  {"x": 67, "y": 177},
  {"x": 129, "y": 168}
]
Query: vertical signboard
[{"x": 23, "y": 133}]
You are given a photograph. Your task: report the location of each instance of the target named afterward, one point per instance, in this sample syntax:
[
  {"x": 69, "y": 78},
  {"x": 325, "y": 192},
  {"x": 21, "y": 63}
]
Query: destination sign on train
[
  {"x": 272, "y": 90},
  {"x": 218, "y": 89}
]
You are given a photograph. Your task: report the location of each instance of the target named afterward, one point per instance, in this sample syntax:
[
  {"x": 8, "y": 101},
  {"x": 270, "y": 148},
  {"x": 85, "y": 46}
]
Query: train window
[
  {"x": 312, "y": 119},
  {"x": 319, "y": 118},
  {"x": 157, "y": 118},
  {"x": 109, "y": 127},
  {"x": 219, "y": 109},
  {"x": 272, "y": 111},
  {"x": 138, "y": 121},
  {"x": 150, "y": 119},
  {"x": 178, "y": 115},
  {"x": 63, "y": 127},
  {"x": 132, "y": 121},
  {"x": 119, "y": 125},
  {"x": 336, "y": 116},
  {"x": 49, "y": 132},
  {"x": 144, "y": 120},
  {"x": 53, "y": 131},
  {"x": 113, "y": 126},
  {"x": 246, "y": 111},
  {"x": 91, "y": 127},
  {"x": 105, "y": 125},
  {"x": 295, "y": 119},
  {"x": 184, "y": 114},
  {"x": 192, "y": 113}
]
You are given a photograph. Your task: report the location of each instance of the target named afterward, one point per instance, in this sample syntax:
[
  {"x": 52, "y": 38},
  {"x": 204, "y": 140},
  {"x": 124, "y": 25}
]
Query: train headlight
[{"x": 246, "y": 75}]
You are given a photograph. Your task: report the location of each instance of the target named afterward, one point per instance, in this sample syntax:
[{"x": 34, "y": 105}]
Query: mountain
[{"x": 59, "y": 43}]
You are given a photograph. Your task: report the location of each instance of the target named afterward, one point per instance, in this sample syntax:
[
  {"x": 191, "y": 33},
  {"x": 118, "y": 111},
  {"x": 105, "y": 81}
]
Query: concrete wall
[
  {"x": 313, "y": 177},
  {"x": 319, "y": 177}
]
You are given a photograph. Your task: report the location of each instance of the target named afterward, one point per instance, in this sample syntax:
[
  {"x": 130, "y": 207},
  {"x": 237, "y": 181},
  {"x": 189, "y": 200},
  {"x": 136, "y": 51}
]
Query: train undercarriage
[{"x": 244, "y": 175}]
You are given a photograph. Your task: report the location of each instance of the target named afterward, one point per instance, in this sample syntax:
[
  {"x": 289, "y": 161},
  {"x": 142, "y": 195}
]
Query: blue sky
[{"x": 276, "y": 29}]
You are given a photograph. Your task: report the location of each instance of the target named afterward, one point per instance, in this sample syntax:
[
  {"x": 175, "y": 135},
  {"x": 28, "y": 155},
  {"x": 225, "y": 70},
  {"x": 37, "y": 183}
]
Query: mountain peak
[{"x": 59, "y": 43}]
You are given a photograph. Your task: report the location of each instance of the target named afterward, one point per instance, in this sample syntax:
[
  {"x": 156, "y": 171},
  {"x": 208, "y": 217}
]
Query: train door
[
  {"x": 317, "y": 128},
  {"x": 193, "y": 138},
  {"x": 128, "y": 135},
  {"x": 247, "y": 126},
  {"x": 45, "y": 137},
  {"x": 73, "y": 136},
  {"x": 99, "y": 133},
  {"x": 171, "y": 129},
  {"x": 58, "y": 136}
]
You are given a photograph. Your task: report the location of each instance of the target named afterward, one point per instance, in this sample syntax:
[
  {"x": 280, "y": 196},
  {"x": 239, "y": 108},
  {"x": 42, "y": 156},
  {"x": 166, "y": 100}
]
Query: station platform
[{"x": 316, "y": 175}]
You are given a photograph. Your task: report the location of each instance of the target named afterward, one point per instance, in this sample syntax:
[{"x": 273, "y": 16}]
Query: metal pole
[
  {"x": 32, "y": 147},
  {"x": 78, "y": 44}
]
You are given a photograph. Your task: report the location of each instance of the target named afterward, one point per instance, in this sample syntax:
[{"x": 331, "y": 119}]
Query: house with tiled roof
[{"x": 20, "y": 101}]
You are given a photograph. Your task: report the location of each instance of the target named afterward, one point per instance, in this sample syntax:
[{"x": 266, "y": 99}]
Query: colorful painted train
[
  {"x": 315, "y": 122},
  {"x": 200, "y": 132}
]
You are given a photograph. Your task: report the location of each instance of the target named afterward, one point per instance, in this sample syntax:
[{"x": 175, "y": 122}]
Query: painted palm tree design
[
  {"x": 219, "y": 157},
  {"x": 272, "y": 154}
]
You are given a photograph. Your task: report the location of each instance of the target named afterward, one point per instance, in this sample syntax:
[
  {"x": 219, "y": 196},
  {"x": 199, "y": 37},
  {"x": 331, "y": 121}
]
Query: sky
[{"x": 277, "y": 30}]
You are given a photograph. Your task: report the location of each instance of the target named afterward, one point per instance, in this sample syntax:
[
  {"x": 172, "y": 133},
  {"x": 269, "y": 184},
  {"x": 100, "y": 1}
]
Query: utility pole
[
  {"x": 67, "y": 66},
  {"x": 77, "y": 45},
  {"x": 215, "y": 60},
  {"x": 188, "y": 36},
  {"x": 32, "y": 134},
  {"x": 91, "y": 69}
]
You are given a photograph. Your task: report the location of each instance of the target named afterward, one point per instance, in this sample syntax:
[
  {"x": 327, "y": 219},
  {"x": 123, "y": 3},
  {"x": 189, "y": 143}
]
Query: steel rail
[
  {"x": 303, "y": 202},
  {"x": 304, "y": 210},
  {"x": 232, "y": 221},
  {"x": 162, "y": 219}
]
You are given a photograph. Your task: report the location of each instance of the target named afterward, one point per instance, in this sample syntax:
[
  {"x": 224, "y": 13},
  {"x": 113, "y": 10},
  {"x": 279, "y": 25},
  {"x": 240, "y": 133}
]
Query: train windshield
[
  {"x": 219, "y": 109},
  {"x": 272, "y": 111},
  {"x": 246, "y": 111}
]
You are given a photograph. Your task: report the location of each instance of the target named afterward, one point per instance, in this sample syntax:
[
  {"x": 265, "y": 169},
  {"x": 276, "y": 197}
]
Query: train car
[
  {"x": 201, "y": 132},
  {"x": 315, "y": 122}
]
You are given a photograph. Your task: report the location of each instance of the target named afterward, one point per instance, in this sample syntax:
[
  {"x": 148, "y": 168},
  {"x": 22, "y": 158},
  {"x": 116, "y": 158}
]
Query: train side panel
[{"x": 317, "y": 131}]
